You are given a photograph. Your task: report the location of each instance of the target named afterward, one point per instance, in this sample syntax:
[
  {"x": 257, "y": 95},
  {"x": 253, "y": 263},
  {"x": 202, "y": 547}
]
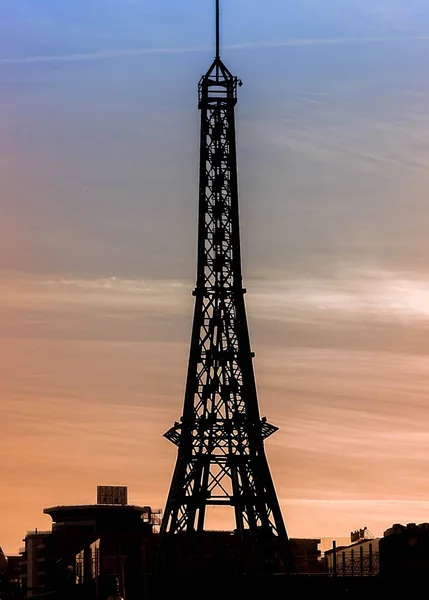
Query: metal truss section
[{"x": 220, "y": 437}]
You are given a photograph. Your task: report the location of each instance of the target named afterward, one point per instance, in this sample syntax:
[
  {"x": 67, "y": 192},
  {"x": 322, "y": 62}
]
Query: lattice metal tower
[{"x": 220, "y": 437}]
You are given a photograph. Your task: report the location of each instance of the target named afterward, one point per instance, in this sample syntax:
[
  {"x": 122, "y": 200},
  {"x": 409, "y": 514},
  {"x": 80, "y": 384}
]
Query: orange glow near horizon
[{"x": 85, "y": 402}]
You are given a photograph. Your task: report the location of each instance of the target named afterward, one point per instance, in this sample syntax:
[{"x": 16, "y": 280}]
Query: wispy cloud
[
  {"x": 135, "y": 52},
  {"x": 91, "y": 56},
  {"x": 98, "y": 55},
  {"x": 371, "y": 503},
  {"x": 326, "y": 41},
  {"x": 366, "y": 292},
  {"x": 117, "y": 283},
  {"x": 374, "y": 293}
]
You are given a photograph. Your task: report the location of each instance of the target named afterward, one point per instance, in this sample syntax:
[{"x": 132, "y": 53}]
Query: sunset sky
[{"x": 99, "y": 151}]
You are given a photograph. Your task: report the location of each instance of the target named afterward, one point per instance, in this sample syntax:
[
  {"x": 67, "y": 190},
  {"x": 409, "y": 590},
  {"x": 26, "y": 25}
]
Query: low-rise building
[
  {"x": 404, "y": 552},
  {"x": 35, "y": 564},
  {"x": 10, "y": 585},
  {"x": 360, "y": 558},
  {"x": 89, "y": 544}
]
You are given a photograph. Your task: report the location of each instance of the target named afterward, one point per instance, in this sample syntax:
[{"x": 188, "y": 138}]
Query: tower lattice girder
[{"x": 220, "y": 437}]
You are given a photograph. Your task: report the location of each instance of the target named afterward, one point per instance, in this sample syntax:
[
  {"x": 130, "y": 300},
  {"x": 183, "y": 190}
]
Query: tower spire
[
  {"x": 220, "y": 436},
  {"x": 217, "y": 29}
]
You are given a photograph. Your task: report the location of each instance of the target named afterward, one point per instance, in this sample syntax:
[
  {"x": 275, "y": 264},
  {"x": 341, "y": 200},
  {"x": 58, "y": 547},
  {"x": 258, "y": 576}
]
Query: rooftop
[{"x": 99, "y": 508}]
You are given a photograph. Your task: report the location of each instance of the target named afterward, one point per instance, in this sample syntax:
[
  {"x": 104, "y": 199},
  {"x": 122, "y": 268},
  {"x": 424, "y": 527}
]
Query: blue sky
[
  {"x": 94, "y": 112},
  {"x": 48, "y": 26},
  {"x": 99, "y": 148}
]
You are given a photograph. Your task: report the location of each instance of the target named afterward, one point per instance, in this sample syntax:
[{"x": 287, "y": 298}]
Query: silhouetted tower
[{"x": 220, "y": 437}]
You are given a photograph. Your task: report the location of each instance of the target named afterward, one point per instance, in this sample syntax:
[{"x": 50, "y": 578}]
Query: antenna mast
[{"x": 217, "y": 30}]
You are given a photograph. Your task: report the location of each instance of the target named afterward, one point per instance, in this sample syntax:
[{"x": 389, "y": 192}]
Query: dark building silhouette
[
  {"x": 358, "y": 559},
  {"x": 306, "y": 555},
  {"x": 98, "y": 550},
  {"x": 36, "y": 563},
  {"x": 220, "y": 552},
  {"x": 89, "y": 549},
  {"x": 100, "y": 541},
  {"x": 10, "y": 583},
  {"x": 404, "y": 552}
]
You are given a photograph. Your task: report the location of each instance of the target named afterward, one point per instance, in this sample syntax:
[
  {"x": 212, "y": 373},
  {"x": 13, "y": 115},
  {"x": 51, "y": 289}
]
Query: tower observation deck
[{"x": 221, "y": 459}]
